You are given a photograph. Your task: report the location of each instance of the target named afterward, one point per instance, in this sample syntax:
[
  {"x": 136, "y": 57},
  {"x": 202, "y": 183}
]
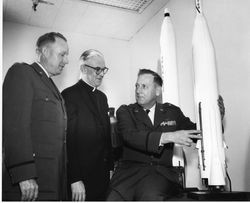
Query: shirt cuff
[{"x": 160, "y": 143}]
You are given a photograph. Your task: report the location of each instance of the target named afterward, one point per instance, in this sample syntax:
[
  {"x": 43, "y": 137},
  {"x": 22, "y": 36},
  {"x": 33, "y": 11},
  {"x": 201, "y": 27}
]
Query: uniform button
[{"x": 34, "y": 154}]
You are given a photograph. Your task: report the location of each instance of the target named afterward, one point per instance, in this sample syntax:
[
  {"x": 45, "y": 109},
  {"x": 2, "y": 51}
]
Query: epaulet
[
  {"x": 169, "y": 105},
  {"x": 130, "y": 106},
  {"x": 18, "y": 63},
  {"x": 19, "y": 66},
  {"x": 25, "y": 64},
  {"x": 123, "y": 106}
]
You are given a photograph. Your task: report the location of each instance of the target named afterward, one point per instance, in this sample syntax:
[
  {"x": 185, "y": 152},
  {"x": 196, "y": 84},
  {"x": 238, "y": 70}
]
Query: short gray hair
[{"x": 88, "y": 54}]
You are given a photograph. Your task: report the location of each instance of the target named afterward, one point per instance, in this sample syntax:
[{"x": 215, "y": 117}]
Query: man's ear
[
  {"x": 44, "y": 51},
  {"x": 158, "y": 91},
  {"x": 38, "y": 51},
  {"x": 83, "y": 69}
]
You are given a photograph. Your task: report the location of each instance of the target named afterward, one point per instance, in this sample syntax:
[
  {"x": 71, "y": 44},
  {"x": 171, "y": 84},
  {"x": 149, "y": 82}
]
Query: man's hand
[
  {"x": 78, "y": 191},
  {"x": 29, "y": 190},
  {"x": 182, "y": 137}
]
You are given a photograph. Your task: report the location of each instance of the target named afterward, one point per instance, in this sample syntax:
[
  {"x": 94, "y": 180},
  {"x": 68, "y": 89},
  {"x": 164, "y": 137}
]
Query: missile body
[
  {"x": 211, "y": 148},
  {"x": 170, "y": 92},
  {"x": 169, "y": 72}
]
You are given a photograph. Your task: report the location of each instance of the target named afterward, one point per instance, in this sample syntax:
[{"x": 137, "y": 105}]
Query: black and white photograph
[{"x": 125, "y": 100}]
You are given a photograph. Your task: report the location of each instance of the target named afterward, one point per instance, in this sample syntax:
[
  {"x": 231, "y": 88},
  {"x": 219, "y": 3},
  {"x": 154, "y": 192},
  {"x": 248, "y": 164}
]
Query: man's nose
[
  {"x": 138, "y": 90},
  {"x": 102, "y": 73}
]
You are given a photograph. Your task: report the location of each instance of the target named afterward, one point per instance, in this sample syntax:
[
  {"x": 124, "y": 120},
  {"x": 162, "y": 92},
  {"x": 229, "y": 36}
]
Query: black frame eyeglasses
[{"x": 98, "y": 70}]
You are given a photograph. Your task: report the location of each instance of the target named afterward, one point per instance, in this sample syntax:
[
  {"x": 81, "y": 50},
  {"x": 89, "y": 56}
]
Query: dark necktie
[{"x": 147, "y": 111}]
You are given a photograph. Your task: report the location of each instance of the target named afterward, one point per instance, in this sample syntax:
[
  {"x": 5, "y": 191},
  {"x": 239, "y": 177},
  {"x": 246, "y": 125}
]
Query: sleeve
[
  {"x": 134, "y": 135},
  {"x": 17, "y": 108},
  {"x": 72, "y": 115},
  {"x": 184, "y": 123},
  {"x": 109, "y": 150}
]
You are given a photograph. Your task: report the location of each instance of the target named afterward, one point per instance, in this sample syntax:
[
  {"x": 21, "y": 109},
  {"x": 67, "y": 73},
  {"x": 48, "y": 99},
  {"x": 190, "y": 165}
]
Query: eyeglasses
[{"x": 98, "y": 70}]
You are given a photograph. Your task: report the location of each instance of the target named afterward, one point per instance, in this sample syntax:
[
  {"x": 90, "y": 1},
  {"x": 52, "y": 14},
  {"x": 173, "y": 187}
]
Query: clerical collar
[
  {"x": 93, "y": 88},
  {"x": 46, "y": 72}
]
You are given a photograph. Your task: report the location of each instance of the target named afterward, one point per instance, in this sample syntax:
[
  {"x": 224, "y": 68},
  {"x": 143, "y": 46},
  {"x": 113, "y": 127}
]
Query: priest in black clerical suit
[{"x": 88, "y": 135}]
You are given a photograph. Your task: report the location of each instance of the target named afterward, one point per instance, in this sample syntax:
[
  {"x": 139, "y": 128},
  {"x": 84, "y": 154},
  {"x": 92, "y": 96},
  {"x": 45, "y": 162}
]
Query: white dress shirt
[
  {"x": 46, "y": 72},
  {"x": 151, "y": 114}
]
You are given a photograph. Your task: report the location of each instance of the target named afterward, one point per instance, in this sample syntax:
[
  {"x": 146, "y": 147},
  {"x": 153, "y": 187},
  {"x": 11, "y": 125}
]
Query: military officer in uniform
[
  {"x": 149, "y": 131},
  {"x": 34, "y": 125}
]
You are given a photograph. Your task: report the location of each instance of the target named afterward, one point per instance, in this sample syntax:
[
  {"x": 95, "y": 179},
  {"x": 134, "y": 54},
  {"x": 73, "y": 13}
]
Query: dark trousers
[{"x": 153, "y": 187}]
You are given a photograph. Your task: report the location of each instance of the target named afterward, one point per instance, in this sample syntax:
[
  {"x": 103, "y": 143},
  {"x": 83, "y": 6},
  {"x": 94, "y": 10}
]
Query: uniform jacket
[
  {"x": 34, "y": 133},
  {"x": 88, "y": 138},
  {"x": 141, "y": 141}
]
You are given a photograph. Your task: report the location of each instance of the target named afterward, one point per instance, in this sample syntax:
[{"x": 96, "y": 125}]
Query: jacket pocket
[{"x": 45, "y": 107}]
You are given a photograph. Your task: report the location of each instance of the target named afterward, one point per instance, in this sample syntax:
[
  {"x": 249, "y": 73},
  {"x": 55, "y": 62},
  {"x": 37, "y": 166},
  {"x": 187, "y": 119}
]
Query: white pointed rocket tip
[{"x": 166, "y": 12}]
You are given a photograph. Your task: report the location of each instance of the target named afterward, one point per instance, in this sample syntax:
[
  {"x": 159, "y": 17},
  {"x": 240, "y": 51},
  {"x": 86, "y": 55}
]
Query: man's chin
[
  {"x": 99, "y": 82},
  {"x": 140, "y": 103}
]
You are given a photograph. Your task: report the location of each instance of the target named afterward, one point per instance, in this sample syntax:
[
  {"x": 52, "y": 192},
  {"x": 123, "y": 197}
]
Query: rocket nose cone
[{"x": 166, "y": 12}]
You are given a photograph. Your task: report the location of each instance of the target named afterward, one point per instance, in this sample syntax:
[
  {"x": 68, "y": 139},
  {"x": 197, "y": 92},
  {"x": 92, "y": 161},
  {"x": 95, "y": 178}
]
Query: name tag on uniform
[{"x": 168, "y": 123}]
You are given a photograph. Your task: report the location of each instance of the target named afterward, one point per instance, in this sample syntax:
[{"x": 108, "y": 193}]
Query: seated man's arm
[
  {"x": 185, "y": 133},
  {"x": 135, "y": 134},
  {"x": 182, "y": 137}
]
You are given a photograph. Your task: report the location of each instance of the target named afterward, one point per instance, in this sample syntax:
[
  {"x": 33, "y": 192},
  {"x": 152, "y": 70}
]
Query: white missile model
[
  {"x": 211, "y": 148},
  {"x": 170, "y": 92},
  {"x": 169, "y": 72}
]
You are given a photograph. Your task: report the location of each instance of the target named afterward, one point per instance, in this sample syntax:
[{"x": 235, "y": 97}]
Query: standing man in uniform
[
  {"x": 88, "y": 137},
  {"x": 34, "y": 125}
]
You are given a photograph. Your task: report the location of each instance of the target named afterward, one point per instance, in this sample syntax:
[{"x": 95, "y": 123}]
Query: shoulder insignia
[{"x": 169, "y": 105}]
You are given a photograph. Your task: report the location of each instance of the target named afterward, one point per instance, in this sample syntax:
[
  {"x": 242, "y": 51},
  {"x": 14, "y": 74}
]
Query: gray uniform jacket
[{"x": 34, "y": 133}]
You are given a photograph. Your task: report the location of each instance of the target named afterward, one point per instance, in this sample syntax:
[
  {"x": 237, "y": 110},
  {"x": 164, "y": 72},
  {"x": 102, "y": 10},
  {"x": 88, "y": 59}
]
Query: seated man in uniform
[{"x": 149, "y": 131}]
